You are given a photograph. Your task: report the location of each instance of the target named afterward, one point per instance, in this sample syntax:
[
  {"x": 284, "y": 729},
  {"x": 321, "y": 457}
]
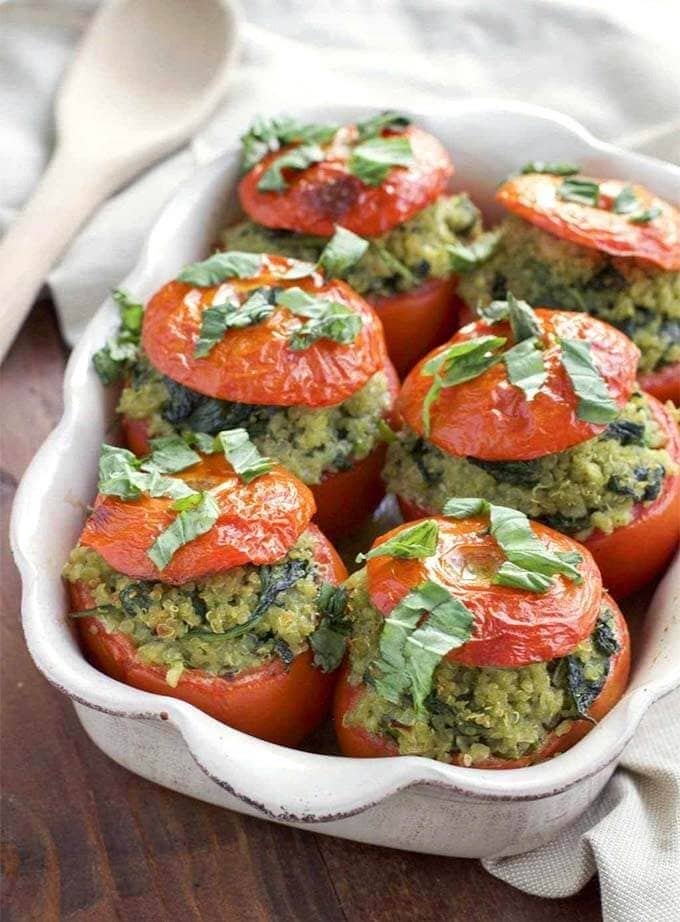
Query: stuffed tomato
[
  {"x": 602, "y": 246},
  {"x": 266, "y": 344},
  {"x": 539, "y": 410},
  {"x": 480, "y": 639},
  {"x": 384, "y": 179},
  {"x": 202, "y": 578}
]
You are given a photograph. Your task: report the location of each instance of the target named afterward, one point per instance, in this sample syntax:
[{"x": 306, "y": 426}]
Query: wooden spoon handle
[{"x": 67, "y": 194}]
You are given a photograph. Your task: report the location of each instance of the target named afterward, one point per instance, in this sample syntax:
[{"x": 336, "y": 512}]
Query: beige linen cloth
[{"x": 605, "y": 63}]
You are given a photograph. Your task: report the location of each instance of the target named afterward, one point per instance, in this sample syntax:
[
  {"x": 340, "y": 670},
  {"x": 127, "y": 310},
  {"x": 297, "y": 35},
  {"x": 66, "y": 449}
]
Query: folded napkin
[{"x": 603, "y": 63}]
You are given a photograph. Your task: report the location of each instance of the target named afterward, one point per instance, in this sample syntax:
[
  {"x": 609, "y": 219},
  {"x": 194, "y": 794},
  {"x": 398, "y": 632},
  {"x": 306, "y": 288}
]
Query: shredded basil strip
[
  {"x": 626, "y": 201},
  {"x": 170, "y": 454},
  {"x": 342, "y": 251},
  {"x": 268, "y": 135},
  {"x": 644, "y": 217},
  {"x": 188, "y": 525},
  {"x": 121, "y": 350},
  {"x": 231, "y": 315},
  {"x": 523, "y": 320},
  {"x": 465, "y": 257},
  {"x": 554, "y": 169},
  {"x": 595, "y": 403},
  {"x": 525, "y": 367},
  {"x": 231, "y": 264},
  {"x": 581, "y": 191},
  {"x": 509, "y": 574},
  {"x": 327, "y": 319},
  {"x": 371, "y": 127},
  {"x": 371, "y": 160},
  {"x": 299, "y": 158},
  {"x": 121, "y": 475},
  {"x": 512, "y": 530},
  {"x": 457, "y": 364},
  {"x": 242, "y": 454},
  {"x": 409, "y": 654},
  {"x": 418, "y": 541}
]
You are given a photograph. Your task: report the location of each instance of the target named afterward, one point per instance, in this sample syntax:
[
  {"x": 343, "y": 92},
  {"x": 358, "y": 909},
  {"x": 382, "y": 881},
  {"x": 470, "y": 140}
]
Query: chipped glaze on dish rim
[{"x": 488, "y": 139}]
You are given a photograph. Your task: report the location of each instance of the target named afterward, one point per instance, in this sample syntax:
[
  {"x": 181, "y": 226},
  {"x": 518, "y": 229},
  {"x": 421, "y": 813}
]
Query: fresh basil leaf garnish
[
  {"x": 298, "y": 158},
  {"x": 371, "y": 127},
  {"x": 418, "y": 541},
  {"x": 509, "y": 574},
  {"x": 121, "y": 351},
  {"x": 580, "y": 191},
  {"x": 465, "y": 257},
  {"x": 595, "y": 403},
  {"x": 372, "y": 160},
  {"x": 523, "y": 320},
  {"x": 327, "y": 319},
  {"x": 626, "y": 201},
  {"x": 119, "y": 473},
  {"x": 409, "y": 654},
  {"x": 169, "y": 455},
  {"x": 525, "y": 367},
  {"x": 457, "y": 364},
  {"x": 231, "y": 264},
  {"x": 231, "y": 315},
  {"x": 268, "y": 135},
  {"x": 329, "y": 640},
  {"x": 242, "y": 454},
  {"x": 189, "y": 524},
  {"x": 553, "y": 168},
  {"x": 342, "y": 251},
  {"x": 644, "y": 217},
  {"x": 187, "y": 502}
]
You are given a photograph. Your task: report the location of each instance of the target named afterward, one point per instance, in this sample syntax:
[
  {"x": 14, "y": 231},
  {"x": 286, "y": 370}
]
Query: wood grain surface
[{"x": 83, "y": 839}]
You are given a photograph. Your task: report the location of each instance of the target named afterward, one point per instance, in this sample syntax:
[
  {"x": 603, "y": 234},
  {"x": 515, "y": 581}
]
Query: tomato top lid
[
  {"x": 612, "y": 216},
  {"x": 202, "y": 519},
  {"x": 508, "y": 626},
  {"x": 263, "y": 330},
  {"x": 369, "y": 177},
  {"x": 572, "y": 375}
]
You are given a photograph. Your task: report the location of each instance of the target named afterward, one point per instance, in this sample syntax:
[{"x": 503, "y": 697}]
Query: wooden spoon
[{"x": 144, "y": 77}]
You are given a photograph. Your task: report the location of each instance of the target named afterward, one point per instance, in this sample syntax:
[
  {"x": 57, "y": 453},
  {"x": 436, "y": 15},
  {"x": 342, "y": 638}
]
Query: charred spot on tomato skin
[{"x": 335, "y": 198}]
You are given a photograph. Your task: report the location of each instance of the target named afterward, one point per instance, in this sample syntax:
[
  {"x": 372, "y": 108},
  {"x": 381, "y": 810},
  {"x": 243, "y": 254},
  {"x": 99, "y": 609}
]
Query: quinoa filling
[
  {"x": 594, "y": 485},
  {"x": 309, "y": 442},
  {"x": 640, "y": 299},
  {"x": 472, "y": 711},
  {"x": 401, "y": 260},
  {"x": 222, "y": 624}
]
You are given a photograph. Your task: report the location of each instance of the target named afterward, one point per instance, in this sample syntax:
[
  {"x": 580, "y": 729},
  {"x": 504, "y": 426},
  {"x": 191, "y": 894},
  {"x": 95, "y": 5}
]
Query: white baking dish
[{"x": 406, "y": 802}]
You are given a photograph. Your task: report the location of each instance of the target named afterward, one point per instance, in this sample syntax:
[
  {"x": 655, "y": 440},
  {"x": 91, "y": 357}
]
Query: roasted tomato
[
  {"x": 254, "y": 364},
  {"x": 489, "y": 418},
  {"x": 664, "y": 384},
  {"x": 273, "y": 702},
  {"x": 535, "y": 198},
  {"x": 634, "y": 554},
  {"x": 325, "y": 194},
  {"x": 258, "y": 523},
  {"x": 417, "y": 321},
  {"x": 512, "y": 627},
  {"x": 357, "y": 742}
]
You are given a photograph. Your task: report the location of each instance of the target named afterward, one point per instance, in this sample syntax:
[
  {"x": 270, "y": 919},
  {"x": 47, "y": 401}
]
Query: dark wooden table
[{"x": 83, "y": 839}]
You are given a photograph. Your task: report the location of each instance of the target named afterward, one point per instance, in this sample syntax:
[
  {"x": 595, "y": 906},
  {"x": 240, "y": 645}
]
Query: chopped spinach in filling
[
  {"x": 640, "y": 299},
  {"x": 401, "y": 260},
  {"x": 593, "y": 485},
  {"x": 478, "y": 712},
  {"x": 222, "y": 624},
  {"x": 309, "y": 442}
]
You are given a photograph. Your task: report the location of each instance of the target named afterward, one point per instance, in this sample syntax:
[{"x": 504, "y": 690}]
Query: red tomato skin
[
  {"x": 254, "y": 364},
  {"x": 359, "y": 743},
  {"x": 416, "y": 321},
  {"x": 489, "y": 418},
  {"x": 663, "y": 384},
  {"x": 271, "y": 702},
  {"x": 327, "y": 194},
  {"x": 534, "y": 198},
  {"x": 649, "y": 540},
  {"x": 258, "y": 523},
  {"x": 512, "y": 627}
]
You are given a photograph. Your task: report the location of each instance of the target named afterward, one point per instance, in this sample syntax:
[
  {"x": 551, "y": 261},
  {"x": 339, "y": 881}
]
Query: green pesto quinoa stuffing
[
  {"x": 309, "y": 442},
  {"x": 593, "y": 485},
  {"x": 472, "y": 711},
  {"x": 179, "y": 627},
  {"x": 640, "y": 299},
  {"x": 401, "y": 260}
]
